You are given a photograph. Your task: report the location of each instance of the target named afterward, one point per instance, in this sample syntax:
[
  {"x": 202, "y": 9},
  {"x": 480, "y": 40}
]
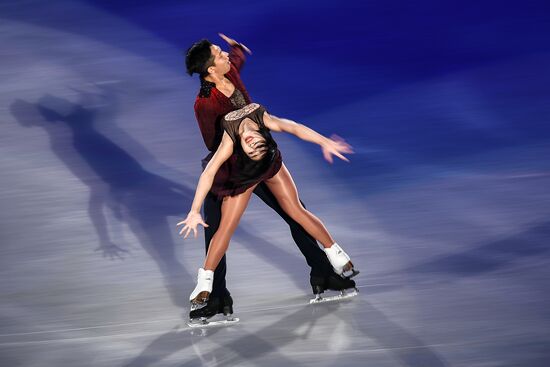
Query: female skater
[{"x": 247, "y": 133}]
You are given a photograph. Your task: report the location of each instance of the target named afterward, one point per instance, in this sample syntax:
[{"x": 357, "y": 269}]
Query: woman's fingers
[
  {"x": 327, "y": 155},
  {"x": 335, "y": 148},
  {"x": 339, "y": 155},
  {"x": 187, "y": 233},
  {"x": 190, "y": 226},
  {"x": 342, "y": 145},
  {"x": 345, "y": 148}
]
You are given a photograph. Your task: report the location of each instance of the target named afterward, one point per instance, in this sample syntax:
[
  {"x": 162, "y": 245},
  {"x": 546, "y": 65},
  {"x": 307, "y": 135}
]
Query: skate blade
[
  {"x": 350, "y": 273},
  {"x": 338, "y": 297},
  {"x": 197, "y": 306},
  {"x": 203, "y": 322}
]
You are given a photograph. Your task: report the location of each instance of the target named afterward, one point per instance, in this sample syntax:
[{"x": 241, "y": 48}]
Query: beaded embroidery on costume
[
  {"x": 238, "y": 114},
  {"x": 206, "y": 88},
  {"x": 237, "y": 99}
]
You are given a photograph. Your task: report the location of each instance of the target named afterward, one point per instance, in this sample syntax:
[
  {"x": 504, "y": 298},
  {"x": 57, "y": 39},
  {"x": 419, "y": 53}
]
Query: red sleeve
[
  {"x": 237, "y": 57},
  {"x": 206, "y": 115}
]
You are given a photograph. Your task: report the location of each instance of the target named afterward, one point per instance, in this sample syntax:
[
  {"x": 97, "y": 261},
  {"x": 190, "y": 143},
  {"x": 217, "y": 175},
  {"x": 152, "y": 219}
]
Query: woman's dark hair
[
  {"x": 248, "y": 170},
  {"x": 198, "y": 58}
]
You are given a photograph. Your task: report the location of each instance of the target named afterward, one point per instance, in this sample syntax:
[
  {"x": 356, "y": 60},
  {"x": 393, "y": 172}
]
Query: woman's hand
[
  {"x": 335, "y": 146},
  {"x": 191, "y": 223}
]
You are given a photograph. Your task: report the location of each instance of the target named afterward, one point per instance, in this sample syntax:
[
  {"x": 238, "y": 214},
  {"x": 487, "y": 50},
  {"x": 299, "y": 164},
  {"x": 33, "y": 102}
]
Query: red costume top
[{"x": 210, "y": 107}]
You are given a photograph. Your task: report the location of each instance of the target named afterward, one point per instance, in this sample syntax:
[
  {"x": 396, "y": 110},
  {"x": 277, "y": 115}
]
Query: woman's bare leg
[
  {"x": 233, "y": 208},
  {"x": 283, "y": 187}
]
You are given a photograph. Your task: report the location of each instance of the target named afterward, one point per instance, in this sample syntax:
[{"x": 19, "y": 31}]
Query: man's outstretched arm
[{"x": 237, "y": 53}]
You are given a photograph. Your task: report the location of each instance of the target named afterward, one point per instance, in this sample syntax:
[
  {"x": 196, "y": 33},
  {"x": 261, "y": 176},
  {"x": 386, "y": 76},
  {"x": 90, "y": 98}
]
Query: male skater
[{"x": 222, "y": 91}]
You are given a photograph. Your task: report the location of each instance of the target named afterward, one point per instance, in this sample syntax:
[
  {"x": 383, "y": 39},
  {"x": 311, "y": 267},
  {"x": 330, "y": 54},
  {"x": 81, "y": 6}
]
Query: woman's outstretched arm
[
  {"x": 194, "y": 217},
  {"x": 329, "y": 146}
]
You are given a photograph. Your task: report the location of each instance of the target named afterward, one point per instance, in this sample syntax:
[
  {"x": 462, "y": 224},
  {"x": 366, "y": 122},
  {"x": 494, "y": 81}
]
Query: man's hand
[
  {"x": 336, "y": 146},
  {"x": 232, "y": 42}
]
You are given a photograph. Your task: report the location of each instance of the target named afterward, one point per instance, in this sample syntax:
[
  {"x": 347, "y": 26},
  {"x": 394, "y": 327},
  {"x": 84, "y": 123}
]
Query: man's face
[{"x": 222, "y": 64}]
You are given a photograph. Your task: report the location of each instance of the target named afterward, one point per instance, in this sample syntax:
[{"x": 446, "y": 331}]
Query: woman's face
[{"x": 252, "y": 142}]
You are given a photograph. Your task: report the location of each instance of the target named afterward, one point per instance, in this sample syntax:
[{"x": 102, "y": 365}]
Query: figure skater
[
  {"x": 222, "y": 91},
  {"x": 247, "y": 135}
]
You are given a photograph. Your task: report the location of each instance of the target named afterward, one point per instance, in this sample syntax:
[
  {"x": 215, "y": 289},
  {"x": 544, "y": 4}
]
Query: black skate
[
  {"x": 333, "y": 282},
  {"x": 202, "y": 317}
]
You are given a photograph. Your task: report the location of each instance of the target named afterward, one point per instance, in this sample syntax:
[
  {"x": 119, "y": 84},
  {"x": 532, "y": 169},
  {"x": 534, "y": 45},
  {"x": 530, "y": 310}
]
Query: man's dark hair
[{"x": 199, "y": 58}]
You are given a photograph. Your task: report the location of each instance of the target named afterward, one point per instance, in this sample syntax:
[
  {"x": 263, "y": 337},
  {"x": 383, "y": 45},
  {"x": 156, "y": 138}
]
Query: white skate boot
[
  {"x": 340, "y": 261},
  {"x": 201, "y": 293}
]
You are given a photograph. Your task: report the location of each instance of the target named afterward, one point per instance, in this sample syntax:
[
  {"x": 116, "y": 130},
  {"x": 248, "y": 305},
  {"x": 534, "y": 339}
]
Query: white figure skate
[
  {"x": 217, "y": 312},
  {"x": 201, "y": 293},
  {"x": 342, "y": 265},
  {"x": 340, "y": 261}
]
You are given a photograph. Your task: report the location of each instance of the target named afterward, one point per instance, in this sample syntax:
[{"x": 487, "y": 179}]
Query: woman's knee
[{"x": 296, "y": 212}]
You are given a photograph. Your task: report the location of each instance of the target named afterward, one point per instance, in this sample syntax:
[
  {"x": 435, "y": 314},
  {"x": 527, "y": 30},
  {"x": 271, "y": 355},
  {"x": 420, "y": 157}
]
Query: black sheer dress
[{"x": 248, "y": 172}]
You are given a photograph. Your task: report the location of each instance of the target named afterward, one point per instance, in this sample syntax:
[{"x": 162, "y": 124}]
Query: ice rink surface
[{"x": 444, "y": 208}]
